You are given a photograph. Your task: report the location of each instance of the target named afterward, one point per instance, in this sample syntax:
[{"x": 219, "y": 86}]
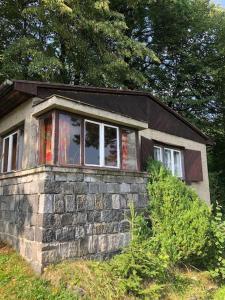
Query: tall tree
[{"x": 80, "y": 42}]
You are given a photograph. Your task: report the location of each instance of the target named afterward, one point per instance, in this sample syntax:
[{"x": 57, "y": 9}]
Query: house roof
[{"x": 139, "y": 105}]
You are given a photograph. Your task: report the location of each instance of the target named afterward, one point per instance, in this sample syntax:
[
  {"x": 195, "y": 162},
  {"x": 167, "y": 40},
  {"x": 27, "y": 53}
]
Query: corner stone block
[{"x": 45, "y": 204}]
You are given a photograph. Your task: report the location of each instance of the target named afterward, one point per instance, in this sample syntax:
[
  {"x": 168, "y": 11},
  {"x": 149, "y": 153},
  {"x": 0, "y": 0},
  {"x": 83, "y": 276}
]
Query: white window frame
[
  {"x": 172, "y": 159},
  {"x": 102, "y": 144},
  {"x": 9, "y": 158},
  {"x": 180, "y": 158},
  {"x": 160, "y": 149}
]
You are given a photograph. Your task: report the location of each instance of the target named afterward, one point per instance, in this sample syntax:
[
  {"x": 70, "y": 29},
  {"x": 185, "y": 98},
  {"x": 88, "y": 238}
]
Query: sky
[{"x": 222, "y": 2}]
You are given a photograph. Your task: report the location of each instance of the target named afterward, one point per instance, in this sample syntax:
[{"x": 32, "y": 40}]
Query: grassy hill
[{"x": 91, "y": 280}]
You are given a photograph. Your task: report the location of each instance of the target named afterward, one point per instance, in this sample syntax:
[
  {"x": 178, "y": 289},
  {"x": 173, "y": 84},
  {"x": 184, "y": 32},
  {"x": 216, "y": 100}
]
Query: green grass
[
  {"x": 89, "y": 280},
  {"x": 17, "y": 281}
]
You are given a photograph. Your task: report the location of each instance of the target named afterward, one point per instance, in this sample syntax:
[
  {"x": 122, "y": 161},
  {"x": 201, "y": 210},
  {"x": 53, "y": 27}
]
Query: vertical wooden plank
[
  {"x": 82, "y": 142},
  {"x": 55, "y": 135},
  {"x": 138, "y": 151}
]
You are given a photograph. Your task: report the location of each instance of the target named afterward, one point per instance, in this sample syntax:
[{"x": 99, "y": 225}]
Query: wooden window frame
[{"x": 53, "y": 138}]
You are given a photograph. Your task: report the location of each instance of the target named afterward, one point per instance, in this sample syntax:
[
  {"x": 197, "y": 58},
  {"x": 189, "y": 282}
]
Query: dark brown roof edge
[
  {"x": 6, "y": 86},
  {"x": 33, "y": 90}
]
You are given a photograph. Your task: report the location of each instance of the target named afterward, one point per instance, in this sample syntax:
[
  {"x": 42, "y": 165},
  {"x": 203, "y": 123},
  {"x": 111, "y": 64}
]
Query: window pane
[
  {"x": 46, "y": 140},
  {"x": 129, "y": 150},
  {"x": 6, "y": 154},
  {"x": 177, "y": 164},
  {"x": 14, "y": 151},
  {"x": 69, "y": 139},
  {"x": 157, "y": 154},
  {"x": 21, "y": 144},
  {"x": 168, "y": 159},
  {"x": 111, "y": 141},
  {"x": 92, "y": 144}
]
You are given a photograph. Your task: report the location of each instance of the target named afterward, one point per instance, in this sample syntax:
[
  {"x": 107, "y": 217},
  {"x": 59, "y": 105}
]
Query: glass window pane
[
  {"x": 177, "y": 164},
  {"x": 14, "y": 152},
  {"x": 46, "y": 140},
  {"x": 92, "y": 143},
  {"x": 6, "y": 154},
  {"x": 168, "y": 159},
  {"x": 69, "y": 139},
  {"x": 157, "y": 153},
  {"x": 21, "y": 144},
  {"x": 110, "y": 140},
  {"x": 129, "y": 150}
]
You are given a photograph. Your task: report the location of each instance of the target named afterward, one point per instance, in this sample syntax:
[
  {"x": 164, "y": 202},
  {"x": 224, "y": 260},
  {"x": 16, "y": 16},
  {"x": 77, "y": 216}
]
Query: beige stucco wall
[
  {"x": 23, "y": 114},
  {"x": 202, "y": 188}
]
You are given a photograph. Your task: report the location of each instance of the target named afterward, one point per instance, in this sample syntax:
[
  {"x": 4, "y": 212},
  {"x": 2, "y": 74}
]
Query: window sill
[{"x": 72, "y": 170}]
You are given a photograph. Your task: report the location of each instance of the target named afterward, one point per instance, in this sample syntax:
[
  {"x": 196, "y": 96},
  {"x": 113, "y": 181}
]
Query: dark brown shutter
[
  {"x": 193, "y": 165},
  {"x": 146, "y": 152}
]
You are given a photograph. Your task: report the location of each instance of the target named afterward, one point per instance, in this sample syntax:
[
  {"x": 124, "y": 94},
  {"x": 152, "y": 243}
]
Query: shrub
[
  {"x": 216, "y": 249},
  {"x": 180, "y": 220},
  {"x": 138, "y": 264}
]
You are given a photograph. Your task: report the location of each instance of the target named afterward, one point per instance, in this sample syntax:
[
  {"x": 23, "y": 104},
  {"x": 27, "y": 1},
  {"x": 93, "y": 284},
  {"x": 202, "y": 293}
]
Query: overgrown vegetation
[
  {"x": 17, "y": 281},
  {"x": 177, "y": 251}
]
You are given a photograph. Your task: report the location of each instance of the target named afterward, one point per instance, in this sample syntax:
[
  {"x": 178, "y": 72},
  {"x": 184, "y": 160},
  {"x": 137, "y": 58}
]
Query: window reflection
[
  {"x": 69, "y": 139},
  {"x": 110, "y": 146},
  {"x": 129, "y": 150},
  {"x": 92, "y": 143}
]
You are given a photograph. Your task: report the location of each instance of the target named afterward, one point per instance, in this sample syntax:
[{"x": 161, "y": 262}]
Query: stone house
[{"x": 73, "y": 158}]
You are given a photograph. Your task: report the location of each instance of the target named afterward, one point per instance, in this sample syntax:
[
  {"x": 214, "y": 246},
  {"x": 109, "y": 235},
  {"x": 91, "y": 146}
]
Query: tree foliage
[{"x": 80, "y": 42}]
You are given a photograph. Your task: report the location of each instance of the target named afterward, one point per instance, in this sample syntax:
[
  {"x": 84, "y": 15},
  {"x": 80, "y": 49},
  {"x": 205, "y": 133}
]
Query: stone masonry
[{"x": 52, "y": 213}]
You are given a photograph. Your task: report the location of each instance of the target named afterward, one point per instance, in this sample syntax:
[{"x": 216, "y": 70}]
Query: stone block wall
[{"x": 51, "y": 213}]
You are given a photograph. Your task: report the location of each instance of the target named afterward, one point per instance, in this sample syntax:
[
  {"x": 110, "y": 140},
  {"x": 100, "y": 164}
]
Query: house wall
[
  {"x": 202, "y": 188},
  {"x": 23, "y": 113},
  {"x": 51, "y": 213}
]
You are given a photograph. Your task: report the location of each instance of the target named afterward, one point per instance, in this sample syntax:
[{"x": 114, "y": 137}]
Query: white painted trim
[
  {"x": 172, "y": 151},
  {"x": 102, "y": 145},
  {"x": 9, "y": 158},
  {"x": 97, "y": 123},
  {"x": 160, "y": 149},
  {"x": 3, "y": 156},
  {"x": 10, "y": 153}
]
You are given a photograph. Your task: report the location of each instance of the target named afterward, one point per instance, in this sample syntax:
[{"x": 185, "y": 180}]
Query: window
[
  {"x": 69, "y": 140},
  {"x": 129, "y": 150},
  {"x": 45, "y": 146},
  {"x": 12, "y": 149},
  {"x": 158, "y": 153},
  {"x": 101, "y": 145},
  {"x": 171, "y": 158},
  {"x": 111, "y": 149},
  {"x": 92, "y": 143}
]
